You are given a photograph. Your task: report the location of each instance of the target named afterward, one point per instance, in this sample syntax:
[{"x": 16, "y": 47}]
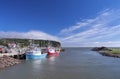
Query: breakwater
[{"x": 6, "y": 61}]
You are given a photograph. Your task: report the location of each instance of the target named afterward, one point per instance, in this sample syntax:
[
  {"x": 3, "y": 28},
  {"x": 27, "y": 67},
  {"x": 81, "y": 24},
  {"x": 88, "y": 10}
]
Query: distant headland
[{"x": 105, "y": 51}]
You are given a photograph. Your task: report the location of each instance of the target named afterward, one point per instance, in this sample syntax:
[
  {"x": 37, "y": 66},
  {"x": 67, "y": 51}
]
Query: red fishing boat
[
  {"x": 0, "y": 49},
  {"x": 52, "y": 52}
]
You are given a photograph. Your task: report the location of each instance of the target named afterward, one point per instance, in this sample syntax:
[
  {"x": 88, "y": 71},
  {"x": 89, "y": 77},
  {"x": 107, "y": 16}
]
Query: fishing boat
[
  {"x": 35, "y": 54},
  {"x": 1, "y": 49},
  {"x": 52, "y": 52}
]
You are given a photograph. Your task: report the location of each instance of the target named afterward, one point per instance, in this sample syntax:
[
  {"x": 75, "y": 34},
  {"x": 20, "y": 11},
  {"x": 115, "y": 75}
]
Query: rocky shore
[
  {"x": 6, "y": 61},
  {"x": 106, "y": 52}
]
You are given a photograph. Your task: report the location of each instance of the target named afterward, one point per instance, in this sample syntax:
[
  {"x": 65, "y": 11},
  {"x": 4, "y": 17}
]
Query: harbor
[
  {"x": 12, "y": 53},
  {"x": 59, "y": 39},
  {"x": 14, "y": 58}
]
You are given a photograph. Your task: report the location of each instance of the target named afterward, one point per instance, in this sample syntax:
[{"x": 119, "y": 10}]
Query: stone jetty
[{"x": 6, "y": 61}]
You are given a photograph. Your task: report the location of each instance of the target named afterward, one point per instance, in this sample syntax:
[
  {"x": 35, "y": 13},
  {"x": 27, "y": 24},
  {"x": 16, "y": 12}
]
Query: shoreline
[{"x": 106, "y": 52}]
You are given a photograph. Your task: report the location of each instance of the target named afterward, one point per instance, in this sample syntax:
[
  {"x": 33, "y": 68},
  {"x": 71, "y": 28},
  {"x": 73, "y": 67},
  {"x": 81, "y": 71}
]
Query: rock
[{"x": 6, "y": 61}]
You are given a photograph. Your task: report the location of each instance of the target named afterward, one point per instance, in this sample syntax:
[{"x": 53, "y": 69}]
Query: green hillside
[{"x": 26, "y": 42}]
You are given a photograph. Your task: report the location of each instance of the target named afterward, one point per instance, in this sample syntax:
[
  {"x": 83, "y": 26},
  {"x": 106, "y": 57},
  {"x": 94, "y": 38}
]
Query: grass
[{"x": 115, "y": 51}]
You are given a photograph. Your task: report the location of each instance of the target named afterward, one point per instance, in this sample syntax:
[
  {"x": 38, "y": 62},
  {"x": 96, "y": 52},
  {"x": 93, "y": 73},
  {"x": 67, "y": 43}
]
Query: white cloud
[
  {"x": 102, "y": 28},
  {"x": 93, "y": 44},
  {"x": 28, "y": 35},
  {"x": 72, "y": 28}
]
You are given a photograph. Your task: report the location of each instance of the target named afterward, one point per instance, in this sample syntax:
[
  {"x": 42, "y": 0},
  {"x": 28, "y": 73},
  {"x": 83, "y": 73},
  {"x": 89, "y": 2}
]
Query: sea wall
[{"x": 6, "y": 61}]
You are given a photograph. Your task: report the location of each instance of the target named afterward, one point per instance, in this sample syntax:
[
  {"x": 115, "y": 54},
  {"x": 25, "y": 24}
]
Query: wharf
[
  {"x": 14, "y": 53},
  {"x": 10, "y": 54}
]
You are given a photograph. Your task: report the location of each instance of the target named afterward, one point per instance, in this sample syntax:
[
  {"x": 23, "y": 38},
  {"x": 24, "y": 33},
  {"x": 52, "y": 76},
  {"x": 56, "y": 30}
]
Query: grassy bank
[
  {"x": 115, "y": 51},
  {"x": 111, "y": 52}
]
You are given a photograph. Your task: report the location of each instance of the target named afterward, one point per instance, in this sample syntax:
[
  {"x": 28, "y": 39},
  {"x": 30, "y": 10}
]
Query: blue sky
[{"x": 75, "y": 23}]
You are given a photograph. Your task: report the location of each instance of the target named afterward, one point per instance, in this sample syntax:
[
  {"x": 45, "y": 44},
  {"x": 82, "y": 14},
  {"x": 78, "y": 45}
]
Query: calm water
[{"x": 74, "y": 63}]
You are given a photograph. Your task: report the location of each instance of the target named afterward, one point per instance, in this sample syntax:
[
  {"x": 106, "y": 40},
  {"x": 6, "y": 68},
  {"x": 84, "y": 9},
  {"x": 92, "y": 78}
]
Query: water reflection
[
  {"x": 36, "y": 62},
  {"x": 37, "y": 65},
  {"x": 51, "y": 59}
]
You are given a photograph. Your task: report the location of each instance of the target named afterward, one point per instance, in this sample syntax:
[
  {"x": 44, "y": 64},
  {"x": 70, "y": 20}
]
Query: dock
[
  {"x": 14, "y": 54},
  {"x": 10, "y": 54}
]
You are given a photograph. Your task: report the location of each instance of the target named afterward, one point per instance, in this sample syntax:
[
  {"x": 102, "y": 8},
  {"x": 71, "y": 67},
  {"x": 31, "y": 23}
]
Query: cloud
[
  {"x": 93, "y": 44},
  {"x": 28, "y": 35},
  {"x": 102, "y": 28}
]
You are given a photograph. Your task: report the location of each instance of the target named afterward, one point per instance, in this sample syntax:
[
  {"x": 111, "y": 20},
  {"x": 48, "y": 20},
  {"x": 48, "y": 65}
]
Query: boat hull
[
  {"x": 53, "y": 54},
  {"x": 32, "y": 56}
]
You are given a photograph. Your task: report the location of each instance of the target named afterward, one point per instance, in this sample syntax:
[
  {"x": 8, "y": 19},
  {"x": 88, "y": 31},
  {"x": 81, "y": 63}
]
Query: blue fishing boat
[{"x": 34, "y": 52}]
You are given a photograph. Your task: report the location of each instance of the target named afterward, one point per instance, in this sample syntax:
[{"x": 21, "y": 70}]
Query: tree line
[{"x": 26, "y": 42}]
